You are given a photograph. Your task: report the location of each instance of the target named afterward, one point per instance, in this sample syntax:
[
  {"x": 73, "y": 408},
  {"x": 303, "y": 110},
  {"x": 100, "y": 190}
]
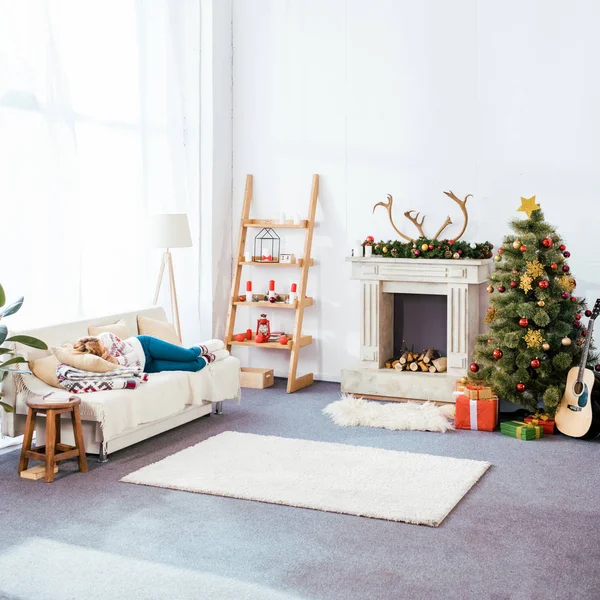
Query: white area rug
[
  {"x": 356, "y": 480},
  {"x": 350, "y": 411}
]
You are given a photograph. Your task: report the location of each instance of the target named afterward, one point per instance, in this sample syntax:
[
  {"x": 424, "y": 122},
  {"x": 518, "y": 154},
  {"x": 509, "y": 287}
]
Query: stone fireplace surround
[{"x": 462, "y": 281}]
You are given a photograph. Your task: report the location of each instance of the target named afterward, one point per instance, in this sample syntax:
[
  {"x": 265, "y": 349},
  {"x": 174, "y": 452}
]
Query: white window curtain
[{"x": 99, "y": 127}]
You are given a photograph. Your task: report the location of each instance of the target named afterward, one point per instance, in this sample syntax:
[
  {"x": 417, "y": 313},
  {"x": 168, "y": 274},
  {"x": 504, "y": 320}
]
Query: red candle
[
  {"x": 293, "y": 288},
  {"x": 248, "y": 286},
  {"x": 272, "y": 285}
]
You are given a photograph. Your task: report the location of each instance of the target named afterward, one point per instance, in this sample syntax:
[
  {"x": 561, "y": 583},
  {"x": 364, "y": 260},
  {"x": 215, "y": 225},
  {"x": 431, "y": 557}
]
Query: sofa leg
[
  {"x": 102, "y": 453},
  {"x": 218, "y": 408}
]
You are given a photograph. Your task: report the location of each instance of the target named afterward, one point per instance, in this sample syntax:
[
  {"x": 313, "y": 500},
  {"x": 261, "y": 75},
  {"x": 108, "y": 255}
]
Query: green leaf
[
  {"x": 3, "y": 333},
  {"x": 7, "y": 407},
  {"x": 12, "y": 361},
  {"x": 11, "y": 309},
  {"x": 27, "y": 340},
  {"x": 2, "y": 296},
  {"x": 5, "y": 350}
]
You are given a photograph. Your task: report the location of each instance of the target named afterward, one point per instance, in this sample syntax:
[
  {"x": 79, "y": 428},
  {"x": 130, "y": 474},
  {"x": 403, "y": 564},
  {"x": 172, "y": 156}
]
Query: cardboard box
[
  {"x": 35, "y": 473},
  {"x": 479, "y": 392},
  {"x": 477, "y": 415},
  {"x": 255, "y": 378}
]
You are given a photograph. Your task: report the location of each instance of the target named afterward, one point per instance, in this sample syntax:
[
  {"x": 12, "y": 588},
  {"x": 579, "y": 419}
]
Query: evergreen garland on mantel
[{"x": 429, "y": 248}]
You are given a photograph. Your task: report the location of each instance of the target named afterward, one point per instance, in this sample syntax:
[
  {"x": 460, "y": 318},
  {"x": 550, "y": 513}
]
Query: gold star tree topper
[{"x": 528, "y": 205}]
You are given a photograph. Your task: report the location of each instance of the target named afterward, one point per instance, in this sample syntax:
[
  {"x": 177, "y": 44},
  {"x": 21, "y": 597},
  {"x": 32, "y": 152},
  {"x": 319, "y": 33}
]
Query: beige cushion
[
  {"x": 119, "y": 329},
  {"x": 158, "y": 329},
  {"x": 45, "y": 369},
  {"x": 85, "y": 362}
]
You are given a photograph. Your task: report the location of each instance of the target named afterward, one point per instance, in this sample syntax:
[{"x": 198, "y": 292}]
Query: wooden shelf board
[
  {"x": 305, "y": 340},
  {"x": 274, "y": 223},
  {"x": 298, "y": 263},
  {"x": 308, "y": 301}
]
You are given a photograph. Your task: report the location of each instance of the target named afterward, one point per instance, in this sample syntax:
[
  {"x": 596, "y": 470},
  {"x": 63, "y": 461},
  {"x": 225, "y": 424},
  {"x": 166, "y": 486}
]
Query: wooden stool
[{"x": 53, "y": 451}]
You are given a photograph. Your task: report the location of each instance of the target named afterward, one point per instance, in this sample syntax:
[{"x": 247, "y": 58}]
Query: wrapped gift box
[
  {"x": 521, "y": 430},
  {"x": 480, "y": 415},
  {"x": 479, "y": 392},
  {"x": 546, "y": 423}
]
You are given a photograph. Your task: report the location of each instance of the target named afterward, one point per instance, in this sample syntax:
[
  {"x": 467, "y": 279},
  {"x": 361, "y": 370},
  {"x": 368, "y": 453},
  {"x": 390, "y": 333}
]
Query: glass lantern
[{"x": 266, "y": 246}]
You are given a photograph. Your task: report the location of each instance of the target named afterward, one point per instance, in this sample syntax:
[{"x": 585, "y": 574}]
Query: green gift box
[{"x": 522, "y": 430}]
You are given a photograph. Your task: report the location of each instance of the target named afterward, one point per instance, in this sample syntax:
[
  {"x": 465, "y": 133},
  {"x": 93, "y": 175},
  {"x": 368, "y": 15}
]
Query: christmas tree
[{"x": 535, "y": 331}]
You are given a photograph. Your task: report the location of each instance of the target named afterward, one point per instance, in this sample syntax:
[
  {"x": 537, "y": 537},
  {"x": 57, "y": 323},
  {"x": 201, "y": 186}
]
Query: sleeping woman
[{"x": 150, "y": 354}]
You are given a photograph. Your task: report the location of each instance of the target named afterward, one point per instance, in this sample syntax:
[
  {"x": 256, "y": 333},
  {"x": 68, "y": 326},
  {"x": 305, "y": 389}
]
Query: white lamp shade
[{"x": 169, "y": 231}]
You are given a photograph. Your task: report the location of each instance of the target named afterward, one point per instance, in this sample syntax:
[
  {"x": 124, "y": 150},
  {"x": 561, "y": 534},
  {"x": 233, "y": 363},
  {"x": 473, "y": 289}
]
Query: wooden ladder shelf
[{"x": 297, "y": 340}]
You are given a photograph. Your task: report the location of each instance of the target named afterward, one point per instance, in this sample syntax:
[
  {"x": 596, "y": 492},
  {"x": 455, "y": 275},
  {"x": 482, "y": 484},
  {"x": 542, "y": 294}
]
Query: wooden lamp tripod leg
[
  {"x": 160, "y": 276},
  {"x": 167, "y": 262}
]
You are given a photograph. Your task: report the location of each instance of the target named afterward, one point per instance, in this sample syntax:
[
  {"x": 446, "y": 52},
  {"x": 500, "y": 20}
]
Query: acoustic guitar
[{"x": 578, "y": 414}]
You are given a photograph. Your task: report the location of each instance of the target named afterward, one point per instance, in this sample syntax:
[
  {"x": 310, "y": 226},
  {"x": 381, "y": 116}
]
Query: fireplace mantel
[{"x": 462, "y": 281}]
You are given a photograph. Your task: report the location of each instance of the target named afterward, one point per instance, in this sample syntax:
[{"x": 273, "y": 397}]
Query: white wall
[{"x": 498, "y": 99}]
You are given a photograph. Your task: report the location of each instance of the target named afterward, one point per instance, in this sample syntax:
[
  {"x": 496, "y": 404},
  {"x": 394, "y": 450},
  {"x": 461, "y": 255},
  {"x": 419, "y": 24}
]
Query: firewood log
[
  {"x": 403, "y": 357},
  {"x": 399, "y": 367},
  {"x": 422, "y": 366},
  {"x": 414, "y": 366},
  {"x": 432, "y": 369},
  {"x": 388, "y": 364},
  {"x": 441, "y": 364},
  {"x": 394, "y": 363},
  {"x": 429, "y": 355}
]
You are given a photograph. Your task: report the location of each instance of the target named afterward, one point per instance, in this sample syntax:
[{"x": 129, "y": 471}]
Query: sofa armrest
[{"x": 39, "y": 388}]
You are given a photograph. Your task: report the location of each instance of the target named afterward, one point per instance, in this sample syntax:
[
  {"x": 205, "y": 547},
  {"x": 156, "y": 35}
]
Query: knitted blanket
[{"x": 79, "y": 382}]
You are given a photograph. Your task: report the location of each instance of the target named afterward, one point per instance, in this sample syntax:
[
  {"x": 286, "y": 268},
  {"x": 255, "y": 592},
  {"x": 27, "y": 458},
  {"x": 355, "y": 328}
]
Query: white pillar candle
[
  {"x": 368, "y": 251},
  {"x": 358, "y": 249},
  {"x": 297, "y": 219},
  {"x": 248, "y": 256},
  {"x": 282, "y": 217}
]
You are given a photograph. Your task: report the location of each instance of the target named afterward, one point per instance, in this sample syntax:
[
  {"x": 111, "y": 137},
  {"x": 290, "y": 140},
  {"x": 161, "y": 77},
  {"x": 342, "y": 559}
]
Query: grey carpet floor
[{"x": 530, "y": 528}]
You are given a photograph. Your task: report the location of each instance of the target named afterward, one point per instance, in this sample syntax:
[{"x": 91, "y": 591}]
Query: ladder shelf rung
[
  {"x": 305, "y": 340},
  {"x": 298, "y": 263},
  {"x": 308, "y": 301},
  {"x": 274, "y": 223}
]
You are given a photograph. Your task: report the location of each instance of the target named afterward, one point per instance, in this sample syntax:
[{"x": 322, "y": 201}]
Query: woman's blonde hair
[{"x": 91, "y": 345}]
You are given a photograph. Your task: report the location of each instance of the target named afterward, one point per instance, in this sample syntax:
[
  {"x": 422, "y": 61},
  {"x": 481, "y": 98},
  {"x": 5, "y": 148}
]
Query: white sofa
[{"x": 115, "y": 419}]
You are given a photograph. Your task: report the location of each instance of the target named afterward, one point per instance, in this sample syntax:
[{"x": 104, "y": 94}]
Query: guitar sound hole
[{"x": 578, "y": 388}]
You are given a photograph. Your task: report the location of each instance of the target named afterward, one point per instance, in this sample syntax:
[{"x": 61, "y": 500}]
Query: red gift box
[
  {"x": 481, "y": 415},
  {"x": 544, "y": 421}
]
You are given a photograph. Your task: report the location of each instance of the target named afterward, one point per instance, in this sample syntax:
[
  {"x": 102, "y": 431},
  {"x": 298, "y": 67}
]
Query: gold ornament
[
  {"x": 463, "y": 380},
  {"x": 535, "y": 269},
  {"x": 566, "y": 341},
  {"x": 541, "y": 303},
  {"x": 497, "y": 258},
  {"x": 517, "y": 244},
  {"x": 545, "y": 346},
  {"x": 490, "y": 315},
  {"x": 566, "y": 283},
  {"x": 385, "y": 250},
  {"x": 425, "y": 247},
  {"x": 526, "y": 283},
  {"x": 419, "y": 223},
  {"x": 447, "y": 254},
  {"x": 490, "y": 289},
  {"x": 533, "y": 338},
  {"x": 528, "y": 205},
  {"x": 456, "y": 256}
]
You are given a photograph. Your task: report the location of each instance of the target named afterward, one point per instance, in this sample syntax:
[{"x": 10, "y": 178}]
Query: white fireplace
[{"x": 463, "y": 282}]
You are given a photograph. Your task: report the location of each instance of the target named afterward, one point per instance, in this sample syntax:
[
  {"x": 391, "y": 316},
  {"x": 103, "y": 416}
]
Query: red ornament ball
[
  {"x": 596, "y": 367},
  {"x": 430, "y": 246},
  {"x": 240, "y": 337},
  {"x": 283, "y": 340},
  {"x": 370, "y": 239},
  {"x": 562, "y": 247},
  {"x": 565, "y": 295},
  {"x": 460, "y": 251},
  {"x": 260, "y": 339},
  {"x": 513, "y": 284},
  {"x": 497, "y": 353},
  {"x": 417, "y": 253},
  {"x": 490, "y": 340},
  {"x": 501, "y": 289},
  {"x": 451, "y": 242},
  {"x": 566, "y": 268},
  {"x": 535, "y": 363},
  {"x": 578, "y": 317},
  {"x": 584, "y": 332},
  {"x": 523, "y": 322},
  {"x": 566, "y": 254},
  {"x": 588, "y": 313},
  {"x": 523, "y": 248},
  {"x": 474, "y": 367},
  {"x": 547, "y": 243},
  {"x": 554, "y": 266},
  {"x": 515, "y": 272},
  {"x": 500, "y": 250},
  {"x": 543, "y": 284},
  {"x": 520, "y": 387},
  {"x": 272, "y": 299},
  {"x": 573, "y": 298},
  {"x": 576, "y": 324}
]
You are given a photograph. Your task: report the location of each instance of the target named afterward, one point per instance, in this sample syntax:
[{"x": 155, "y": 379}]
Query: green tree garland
[
  {"x": 532, "y": 317},
  {"x": 429, "y": 248}
]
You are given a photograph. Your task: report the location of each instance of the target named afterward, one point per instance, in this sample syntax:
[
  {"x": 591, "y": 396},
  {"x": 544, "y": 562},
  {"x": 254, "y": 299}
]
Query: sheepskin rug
[
  {"x": 350, "y": 411},
  {"x": 355, "y": 480}
]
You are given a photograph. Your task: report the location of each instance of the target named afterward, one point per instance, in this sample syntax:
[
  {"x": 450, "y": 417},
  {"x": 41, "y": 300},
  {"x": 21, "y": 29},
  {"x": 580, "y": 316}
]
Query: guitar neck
[{"x": 585, "y": 351}]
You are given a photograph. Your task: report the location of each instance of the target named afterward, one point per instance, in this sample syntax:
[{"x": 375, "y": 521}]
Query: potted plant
[{"x": 11, "y": 361}]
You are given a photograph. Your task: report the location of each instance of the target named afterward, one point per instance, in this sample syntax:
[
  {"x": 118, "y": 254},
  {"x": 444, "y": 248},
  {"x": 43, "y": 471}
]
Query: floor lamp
[{"x": 169, "y": 231}]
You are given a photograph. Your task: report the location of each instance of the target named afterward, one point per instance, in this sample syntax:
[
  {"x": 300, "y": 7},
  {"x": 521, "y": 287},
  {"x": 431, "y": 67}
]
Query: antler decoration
[{"x": 419, "y": 224}]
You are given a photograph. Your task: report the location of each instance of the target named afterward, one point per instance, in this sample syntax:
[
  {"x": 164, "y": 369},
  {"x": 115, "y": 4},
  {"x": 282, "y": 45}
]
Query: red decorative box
[
  {"x": 480, "y": 415},
  {"x": 544, "y": 421}
]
